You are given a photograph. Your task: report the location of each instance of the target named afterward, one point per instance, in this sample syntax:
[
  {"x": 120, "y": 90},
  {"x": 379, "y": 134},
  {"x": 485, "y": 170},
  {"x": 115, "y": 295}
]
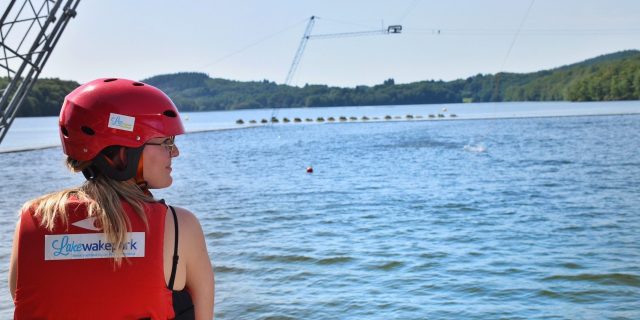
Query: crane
[
  {"x": 392, "y": 29},
  {"x": 36, "y": 22}
]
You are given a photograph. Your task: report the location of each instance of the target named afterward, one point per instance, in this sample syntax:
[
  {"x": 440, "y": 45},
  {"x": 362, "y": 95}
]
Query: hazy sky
[{"x": 257, "y": 39}]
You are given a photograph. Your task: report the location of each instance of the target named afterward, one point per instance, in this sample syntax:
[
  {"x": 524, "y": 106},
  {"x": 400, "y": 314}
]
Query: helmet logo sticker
[{"x": 121, "y": 122}]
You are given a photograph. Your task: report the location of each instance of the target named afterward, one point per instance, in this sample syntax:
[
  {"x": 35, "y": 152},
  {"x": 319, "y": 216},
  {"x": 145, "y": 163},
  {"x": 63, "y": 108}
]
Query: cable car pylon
[{"x": 36, "y": 22}]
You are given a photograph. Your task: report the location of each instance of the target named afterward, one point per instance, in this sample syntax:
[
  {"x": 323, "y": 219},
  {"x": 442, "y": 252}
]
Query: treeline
[
  {"x": 614, "y": 76},
  {"x": 45, "y": 97},
  {"x": 610, "y": 77}
]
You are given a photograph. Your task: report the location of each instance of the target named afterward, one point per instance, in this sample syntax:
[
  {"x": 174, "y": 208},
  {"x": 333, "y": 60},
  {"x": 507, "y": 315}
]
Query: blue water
[
  {"x": 529, "y": 218},
  {"x": 40, "y": 132}
]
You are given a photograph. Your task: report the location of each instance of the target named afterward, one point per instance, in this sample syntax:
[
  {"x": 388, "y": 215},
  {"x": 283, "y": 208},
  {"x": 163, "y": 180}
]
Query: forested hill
[
  {"x": 45, "y": 97},
  {"x": 614, "y": 76}
]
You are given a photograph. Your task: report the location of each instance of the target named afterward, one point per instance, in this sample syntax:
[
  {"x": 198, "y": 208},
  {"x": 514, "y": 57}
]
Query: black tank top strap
[
  {"x": 174, "y": 266},
  {"x": 182, "y": 302}
]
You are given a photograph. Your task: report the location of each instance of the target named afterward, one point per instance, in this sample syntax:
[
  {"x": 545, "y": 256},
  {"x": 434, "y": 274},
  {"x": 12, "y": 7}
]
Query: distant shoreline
[
  {"x": 434, "y": 104},
  {"x": 605, "y": 78},
  {"x": 458, "y": 118}
]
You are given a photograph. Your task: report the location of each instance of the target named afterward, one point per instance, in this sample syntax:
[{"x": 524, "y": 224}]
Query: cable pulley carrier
[{"x": 29, "y": 30}]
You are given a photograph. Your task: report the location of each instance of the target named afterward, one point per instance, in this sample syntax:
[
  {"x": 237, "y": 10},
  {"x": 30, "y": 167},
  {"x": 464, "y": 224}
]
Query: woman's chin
[{"x": 160, "y": 184}]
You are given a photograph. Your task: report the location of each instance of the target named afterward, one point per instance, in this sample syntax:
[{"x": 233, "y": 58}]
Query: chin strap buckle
[{"x": 90, "y": 173}]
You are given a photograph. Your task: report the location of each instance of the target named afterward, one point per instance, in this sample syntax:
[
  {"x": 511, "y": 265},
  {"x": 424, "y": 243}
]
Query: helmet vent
[
  {"x": 87, "y": 130},
  {"x": 170, "y": 113},
  {"x": 64, "y": 131},
  {"x": 110, "y": 79},
  {"x": 138, "y": 84}
]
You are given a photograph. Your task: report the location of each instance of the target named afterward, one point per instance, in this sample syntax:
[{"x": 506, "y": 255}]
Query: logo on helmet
[{"x": 121, "y": 122}]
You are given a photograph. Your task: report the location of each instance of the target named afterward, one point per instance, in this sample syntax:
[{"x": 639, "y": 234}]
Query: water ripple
[
  {"x": 285, "y": 258},
  {"x": 334, "y": 260},
  {"x": 229, "y": 269},
  {"x": 387, "y": 266},
  {"x": 611, "y": 279}
]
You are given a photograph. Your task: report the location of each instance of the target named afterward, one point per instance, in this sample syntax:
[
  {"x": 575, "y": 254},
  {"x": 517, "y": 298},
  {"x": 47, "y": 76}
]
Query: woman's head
[{"x": 109, "y": 122}]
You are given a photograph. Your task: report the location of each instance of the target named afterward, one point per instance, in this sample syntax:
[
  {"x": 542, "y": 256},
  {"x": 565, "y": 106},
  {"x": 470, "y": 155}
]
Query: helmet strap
[
  {"x": 90, "y": 173},
  {"x": 139, "y": 178},
  {"x": 102, "y": 164}
]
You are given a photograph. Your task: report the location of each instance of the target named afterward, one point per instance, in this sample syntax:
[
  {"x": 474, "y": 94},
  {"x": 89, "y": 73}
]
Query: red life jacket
[{"x": 67, "y": 273}]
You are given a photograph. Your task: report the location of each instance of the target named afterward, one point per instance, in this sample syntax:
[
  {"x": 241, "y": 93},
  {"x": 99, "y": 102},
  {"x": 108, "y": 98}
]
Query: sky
[{"x": 253, "y": 40}]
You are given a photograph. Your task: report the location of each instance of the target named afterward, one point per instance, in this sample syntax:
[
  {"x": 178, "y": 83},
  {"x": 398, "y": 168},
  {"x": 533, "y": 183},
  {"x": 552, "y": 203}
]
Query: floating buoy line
[{"x": 408, "y": 117}]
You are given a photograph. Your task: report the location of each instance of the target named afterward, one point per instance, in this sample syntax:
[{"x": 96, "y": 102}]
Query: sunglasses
[{"x": 168, "y": 144}]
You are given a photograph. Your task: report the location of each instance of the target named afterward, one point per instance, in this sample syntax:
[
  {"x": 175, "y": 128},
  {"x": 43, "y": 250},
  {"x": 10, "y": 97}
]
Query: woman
[{"x": 107, "y": 249}]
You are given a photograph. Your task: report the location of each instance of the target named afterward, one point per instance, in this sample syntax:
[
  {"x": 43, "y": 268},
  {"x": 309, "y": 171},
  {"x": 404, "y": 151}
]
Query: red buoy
[{"x": 309, "y": 169}]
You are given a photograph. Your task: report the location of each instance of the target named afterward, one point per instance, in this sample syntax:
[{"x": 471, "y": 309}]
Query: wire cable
[
  {"x": 251, "y": 45},
  {"x": 346, "y": 22},
  {"x": 515, "y": 36},
  {"x": 524, "y": 32},
  {"x": 408, "y": 10}
]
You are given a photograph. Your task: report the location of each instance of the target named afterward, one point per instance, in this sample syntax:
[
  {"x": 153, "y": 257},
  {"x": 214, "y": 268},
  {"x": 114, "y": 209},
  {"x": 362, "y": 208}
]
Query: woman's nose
[{"x": 175, "y": 152}]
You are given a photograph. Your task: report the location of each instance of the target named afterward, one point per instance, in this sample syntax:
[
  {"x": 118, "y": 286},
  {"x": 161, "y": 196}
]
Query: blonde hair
[{"x": 102, "y": 198}]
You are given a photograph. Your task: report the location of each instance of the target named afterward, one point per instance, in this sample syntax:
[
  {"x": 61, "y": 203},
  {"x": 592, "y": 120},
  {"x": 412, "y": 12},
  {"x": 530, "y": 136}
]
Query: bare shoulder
[
  {"x": 199, "y": 277},
  {"x": 187, "y": 220}
]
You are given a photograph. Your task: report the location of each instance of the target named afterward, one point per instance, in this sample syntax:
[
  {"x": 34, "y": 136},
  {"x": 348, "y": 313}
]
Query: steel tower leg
[
  {"x": 39, "y": 22},
  {"x": 303, "y": 44}
]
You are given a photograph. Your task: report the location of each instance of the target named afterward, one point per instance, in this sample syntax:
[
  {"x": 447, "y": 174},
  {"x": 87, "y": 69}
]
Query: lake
[{"x": 509, "y": 210}]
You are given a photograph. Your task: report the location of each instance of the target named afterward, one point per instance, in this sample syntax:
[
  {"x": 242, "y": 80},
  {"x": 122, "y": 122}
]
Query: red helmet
[{"x": 108, "y": 112}]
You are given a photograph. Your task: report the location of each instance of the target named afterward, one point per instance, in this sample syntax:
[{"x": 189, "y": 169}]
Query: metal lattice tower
[
  {"x": 29, "y": 30},
  {"x": 303, "y": 44}
]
